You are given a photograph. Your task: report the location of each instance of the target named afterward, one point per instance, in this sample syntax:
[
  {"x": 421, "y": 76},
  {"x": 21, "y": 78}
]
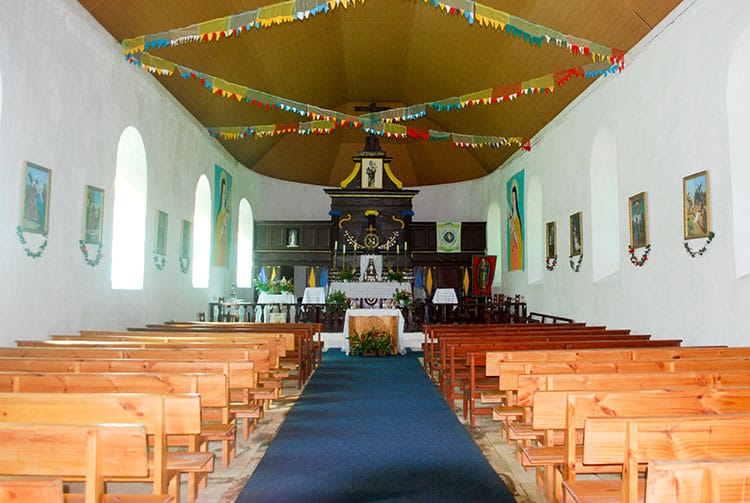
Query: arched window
[
  {"x": 245, "y": 245},
  {"x": 534, "y": 231},
  {"x": 738, "y": 114},
  {"x": 605, "y": 220},
  {"x": 129, "y": 219},
  {"x": 201, "y": 233},
  {"x": 494, "y": 239}
]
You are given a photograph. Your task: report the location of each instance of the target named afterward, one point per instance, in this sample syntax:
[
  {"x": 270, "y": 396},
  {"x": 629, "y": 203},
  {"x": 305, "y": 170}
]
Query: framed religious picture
[
  {"x": 638, "y": 212},
  {"x": 696, "y": 216},
  {"x": 372, "y": 173},
  {"x": 292, "y": 237},
  {"x": 483, "y": 273},
  {"x": 93, "y": 215},
  {"x": 37, "y": 187},
  {"x": 162, "y": 223},
  {"x": 551, "y": 233},
  {"x": 576, "y": 236},
  {"x": 186, "y": 239}
]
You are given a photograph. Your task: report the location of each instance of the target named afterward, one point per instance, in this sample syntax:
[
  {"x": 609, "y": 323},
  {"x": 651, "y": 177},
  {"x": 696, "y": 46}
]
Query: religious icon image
[
  {"x": 162, "y": 223},
  {"x": 36, "y": 199},
  {"x": 222, "y": 217},
  {"x": 186, "y": 242},
  {"x": 551, "y": 239},
  {"x": 292, "y": 237},
  {"x": 483, "y": 269},
  {"x": 576, "y": 240},
  {"x": 638, "y": 223},
  {"x": 514, "y": 191},
  {"x": 695, "y": 204},
  {"x": 372, "y": 173},
  {"x": 93, "y": 215}
]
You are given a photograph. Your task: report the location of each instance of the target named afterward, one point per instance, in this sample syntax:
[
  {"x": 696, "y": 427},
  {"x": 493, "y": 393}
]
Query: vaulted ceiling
[{"x": 392, "y": 52}]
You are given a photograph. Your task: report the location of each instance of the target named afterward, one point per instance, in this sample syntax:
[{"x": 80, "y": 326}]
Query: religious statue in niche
[{"x": 371, "y": 273}]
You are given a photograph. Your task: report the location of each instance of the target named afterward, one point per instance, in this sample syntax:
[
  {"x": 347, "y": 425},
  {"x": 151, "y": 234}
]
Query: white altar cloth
[
  {"x": 374, "y": 312},
  {"x": 269, "y": 299}
]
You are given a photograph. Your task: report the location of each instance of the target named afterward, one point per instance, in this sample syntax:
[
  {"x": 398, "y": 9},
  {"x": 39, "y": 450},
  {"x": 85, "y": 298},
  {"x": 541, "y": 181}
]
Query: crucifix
[{"x": 372, "y": 142}]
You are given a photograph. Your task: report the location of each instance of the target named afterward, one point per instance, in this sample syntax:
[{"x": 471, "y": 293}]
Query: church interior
[{"x": 466, "y": 201}]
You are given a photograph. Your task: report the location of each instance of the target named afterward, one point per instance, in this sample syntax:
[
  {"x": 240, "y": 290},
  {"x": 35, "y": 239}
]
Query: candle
[
  {"x": 405, "y": 246},
  {"x": 335, "y": 245},
  {"x": 344, "y": 251},
  {"x": 398, "y": 249}
]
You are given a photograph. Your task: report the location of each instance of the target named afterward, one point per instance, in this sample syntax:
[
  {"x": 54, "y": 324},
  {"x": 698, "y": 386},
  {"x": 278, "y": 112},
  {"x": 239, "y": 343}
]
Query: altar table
[
  {"x": 263, "y": 313},
  {"x": 378, "y": 317}
]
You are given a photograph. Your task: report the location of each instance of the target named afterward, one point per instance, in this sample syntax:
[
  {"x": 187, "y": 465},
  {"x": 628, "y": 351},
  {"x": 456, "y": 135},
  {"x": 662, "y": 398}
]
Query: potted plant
[
  {"x": 394, "y": 276},
  {"x": 348, "y": 274},
  {"x": 401, "y": 298},
  {"x": 372, "y": 342},
  {"x": 337, "y": 302}
]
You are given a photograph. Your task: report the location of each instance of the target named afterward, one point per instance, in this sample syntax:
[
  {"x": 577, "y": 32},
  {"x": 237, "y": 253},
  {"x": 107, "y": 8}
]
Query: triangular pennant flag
[
  {"x": 324, "y": 276},
  {"x": 429, "y": 281},
  {"x": 273, "y": 274}
]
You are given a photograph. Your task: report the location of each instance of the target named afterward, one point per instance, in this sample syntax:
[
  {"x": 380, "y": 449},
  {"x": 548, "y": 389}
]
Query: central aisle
[{"x": 372, "y": 429}]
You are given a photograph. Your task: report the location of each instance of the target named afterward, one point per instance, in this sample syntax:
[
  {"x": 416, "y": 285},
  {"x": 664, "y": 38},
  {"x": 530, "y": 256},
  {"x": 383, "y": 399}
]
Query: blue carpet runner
[{"x": 372, "y": 429}]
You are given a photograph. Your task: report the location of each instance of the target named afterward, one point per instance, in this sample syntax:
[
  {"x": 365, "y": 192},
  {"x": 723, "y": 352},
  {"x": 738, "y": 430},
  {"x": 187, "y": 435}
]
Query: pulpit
[{"x": 361, "y": 320}]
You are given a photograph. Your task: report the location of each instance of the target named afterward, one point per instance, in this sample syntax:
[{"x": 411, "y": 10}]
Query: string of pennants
[
  {"x": 298, "y": 10},
  {"x": 606, "y": 61},
  {"x": 381, "y": 123},
  {"x": 386, "y": 130}
]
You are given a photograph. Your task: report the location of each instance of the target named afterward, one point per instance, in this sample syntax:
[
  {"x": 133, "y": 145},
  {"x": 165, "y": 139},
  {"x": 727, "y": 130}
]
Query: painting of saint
[
  {"x": 222, "y": 216},
  {"x": 696, "y": 205},
  {"x": 576, "y": 239},
  {"x": 638, "y": 224},
  {"x": 551, "y": 240},
  {"x": 515, "y": 193},
  {"x": 36, "y": 198},
  {"x": 93, "y": 211}
]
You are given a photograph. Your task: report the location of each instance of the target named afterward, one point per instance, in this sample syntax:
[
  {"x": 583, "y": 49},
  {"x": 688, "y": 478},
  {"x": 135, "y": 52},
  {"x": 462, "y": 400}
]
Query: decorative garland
[
  {"x": 184, "y": 264},
  {"x": 702, "y": 250},
  {"x": 639, "y": 262},
  {"x": 550, "y": 263},
  {"x": 159, "y": 262},
  {"x": 291, "y": 11},
  {"x": 29, "y": 253},
  {"x": 575, "y": 266},
  {"x": 84, "y": 249}
]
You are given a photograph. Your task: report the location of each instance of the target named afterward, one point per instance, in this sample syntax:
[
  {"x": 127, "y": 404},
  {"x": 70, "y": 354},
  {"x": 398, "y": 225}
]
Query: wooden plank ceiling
[{"x": 393, "y": 52}]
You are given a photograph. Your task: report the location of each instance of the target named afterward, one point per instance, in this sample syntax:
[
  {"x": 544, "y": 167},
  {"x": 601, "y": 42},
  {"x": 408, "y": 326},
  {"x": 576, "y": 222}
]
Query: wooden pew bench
[
  {"x": 241, "y": 375},
  {"x": 716, "y": 481},
  {"x": 566, "y": 412},
  {"x": 94, "y": 452},
  {"x": 23, "y": 489},
  {"x": 522, "y": 432},
  {"x": 161, "y": 415},
  {"x": 217, "y": 425},
  {"x": 634, "y": 441}
]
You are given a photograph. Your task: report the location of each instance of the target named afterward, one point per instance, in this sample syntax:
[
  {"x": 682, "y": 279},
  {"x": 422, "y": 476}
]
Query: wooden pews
[
  {"x": 95, "y": 452},
  {"x": 161, "y": 415},
  {"x": 23, "y": 489},
  {"x": 717, "y": 481},
  {"x": 633, "y": 441}
]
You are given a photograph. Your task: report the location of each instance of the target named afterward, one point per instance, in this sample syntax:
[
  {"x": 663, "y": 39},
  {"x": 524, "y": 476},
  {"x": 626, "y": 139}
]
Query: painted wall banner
[
  {"x": 448, "y": 237},
  {"x": 514, "y": 193},
  {"x": 222, "y": 216}
]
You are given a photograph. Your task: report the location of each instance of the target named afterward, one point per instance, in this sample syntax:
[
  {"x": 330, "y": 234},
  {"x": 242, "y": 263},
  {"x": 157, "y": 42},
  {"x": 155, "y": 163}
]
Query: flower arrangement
[
  {"x": 402, "y": 297},
  {"x": 372, "y": 342},
  {"x": 348, "y": 274},
  {"x": 337, "y": 301},
  {"x": 273, "y": 286},
  {"x": 396, "y": 276}
]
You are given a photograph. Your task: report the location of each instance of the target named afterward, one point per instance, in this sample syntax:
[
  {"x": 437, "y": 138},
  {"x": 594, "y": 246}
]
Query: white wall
[
  {"x": 667, "y": 112},
  {"x": 67, "y": 95}
]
